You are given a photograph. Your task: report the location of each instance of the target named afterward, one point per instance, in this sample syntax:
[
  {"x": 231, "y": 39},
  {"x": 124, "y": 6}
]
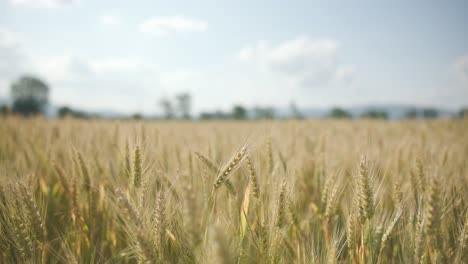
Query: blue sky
[{"x": 127, "y": 55}]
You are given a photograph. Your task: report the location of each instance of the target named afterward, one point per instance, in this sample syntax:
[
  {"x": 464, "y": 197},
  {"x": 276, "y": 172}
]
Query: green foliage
[
  {"x": 137, "y": 116},
  {"x": 264, "y": 113},
  {"x": 184, "y": 105},
  {"x": 463, "y": 113},
  {"x": 430, "y": 113},
  {"x": 239, "y": 112},
  {"x": 66, "y": 111},
  {"x": 411, "y": 114},
  {"x": 30, "y": 95},
  {"x": 180, "y": 107},
  {"x": 339, "y": 113},
  {"x": 216, "y": 115},
  {"x": 375, "y": 114},
  {"x": 5, "y": 110}
]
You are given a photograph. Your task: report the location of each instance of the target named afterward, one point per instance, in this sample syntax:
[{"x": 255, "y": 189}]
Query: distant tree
[
  {"x": 81, "y": 114},
  {"x": 339, "y": 113},
  {"x": 137, "y": 116},
  {"x": 264, "y": 113},
  {"x": 430, "y": 113},
  {"x": 206, "y": 116},
  {"x": 184, "y": 101},
  {"x": 239, "y": 112},
  {"x": 411, "y": 114},
  {"x": 30, "y": 95},
  {"x": 218, "y": 114},
  {"x": 376, "y": 114},
  {"x": 168, "y": 108},
  {"x": 295, "y": 113},
  {"x": 65, "y": 111},
  {"x": 4, "y": 110},
  {"x": 463, "y": 113}
]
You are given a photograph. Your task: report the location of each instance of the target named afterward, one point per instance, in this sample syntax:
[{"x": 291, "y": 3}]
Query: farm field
[{"x": 318, "y": 191}]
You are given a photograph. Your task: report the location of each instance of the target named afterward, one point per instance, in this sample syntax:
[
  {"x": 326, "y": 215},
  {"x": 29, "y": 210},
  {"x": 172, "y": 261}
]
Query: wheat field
[{"x": 319, "y": 191}]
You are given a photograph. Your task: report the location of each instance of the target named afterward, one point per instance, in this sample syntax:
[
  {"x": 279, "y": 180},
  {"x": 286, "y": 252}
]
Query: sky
[{"x": 127, "y": 55}]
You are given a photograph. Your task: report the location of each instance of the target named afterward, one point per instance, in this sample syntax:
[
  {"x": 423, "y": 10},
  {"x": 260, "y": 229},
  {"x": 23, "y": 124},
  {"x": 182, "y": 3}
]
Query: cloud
[
  {"x": 304, "y": 61},
  {"x": 110, "y": 20},
  {"x": 97, "y": 83},
  {"x": 11, "y": 56},
  {"x": 461, "y": 68},
  {"x": 161, "y": 26},
  {"x": 12, "y": 59},
  {"x": 62, "y": 68},
  {"x": 346, "y": 75},
  {"x": 42, "y": 3},
  {"x": 68, "y": 68},
  {"x": 71, "y": 68},
  {"x": 121, "y": 64},
  {"x": 8, "y": 38},
  {"x": 119, "y": 83},
  {"x": 178, "y": 78}
]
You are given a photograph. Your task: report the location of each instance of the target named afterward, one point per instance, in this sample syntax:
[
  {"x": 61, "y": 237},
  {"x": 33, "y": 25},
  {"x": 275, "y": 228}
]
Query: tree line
[{"x": 30, "y": 96}]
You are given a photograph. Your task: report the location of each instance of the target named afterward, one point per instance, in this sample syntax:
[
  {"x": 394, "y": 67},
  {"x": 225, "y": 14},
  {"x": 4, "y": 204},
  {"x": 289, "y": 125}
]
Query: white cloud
[
  {"x": 116, "y": 83},
  {"x": 95, "y": 83},
  {"x": 62, "y": 68},
  {"x": 119, "y": 83},
  {"x": 8, "y": 38},
  {"x": 110, "y": 20},
  {"x": 121, "y": 64},
  {"x": 304, "y": 61},
  {"x": 346, "y": 75},
  {"x": 12, "y": 59},
  {"x": 178, "y": 78},
  {"x": 42, "y": 3},
  {"x": 67, "y": 68},
  {"x": 248, "y": 53},
  {"x": 161, "y": 26},
  {"x": 461, "y": 68}
]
